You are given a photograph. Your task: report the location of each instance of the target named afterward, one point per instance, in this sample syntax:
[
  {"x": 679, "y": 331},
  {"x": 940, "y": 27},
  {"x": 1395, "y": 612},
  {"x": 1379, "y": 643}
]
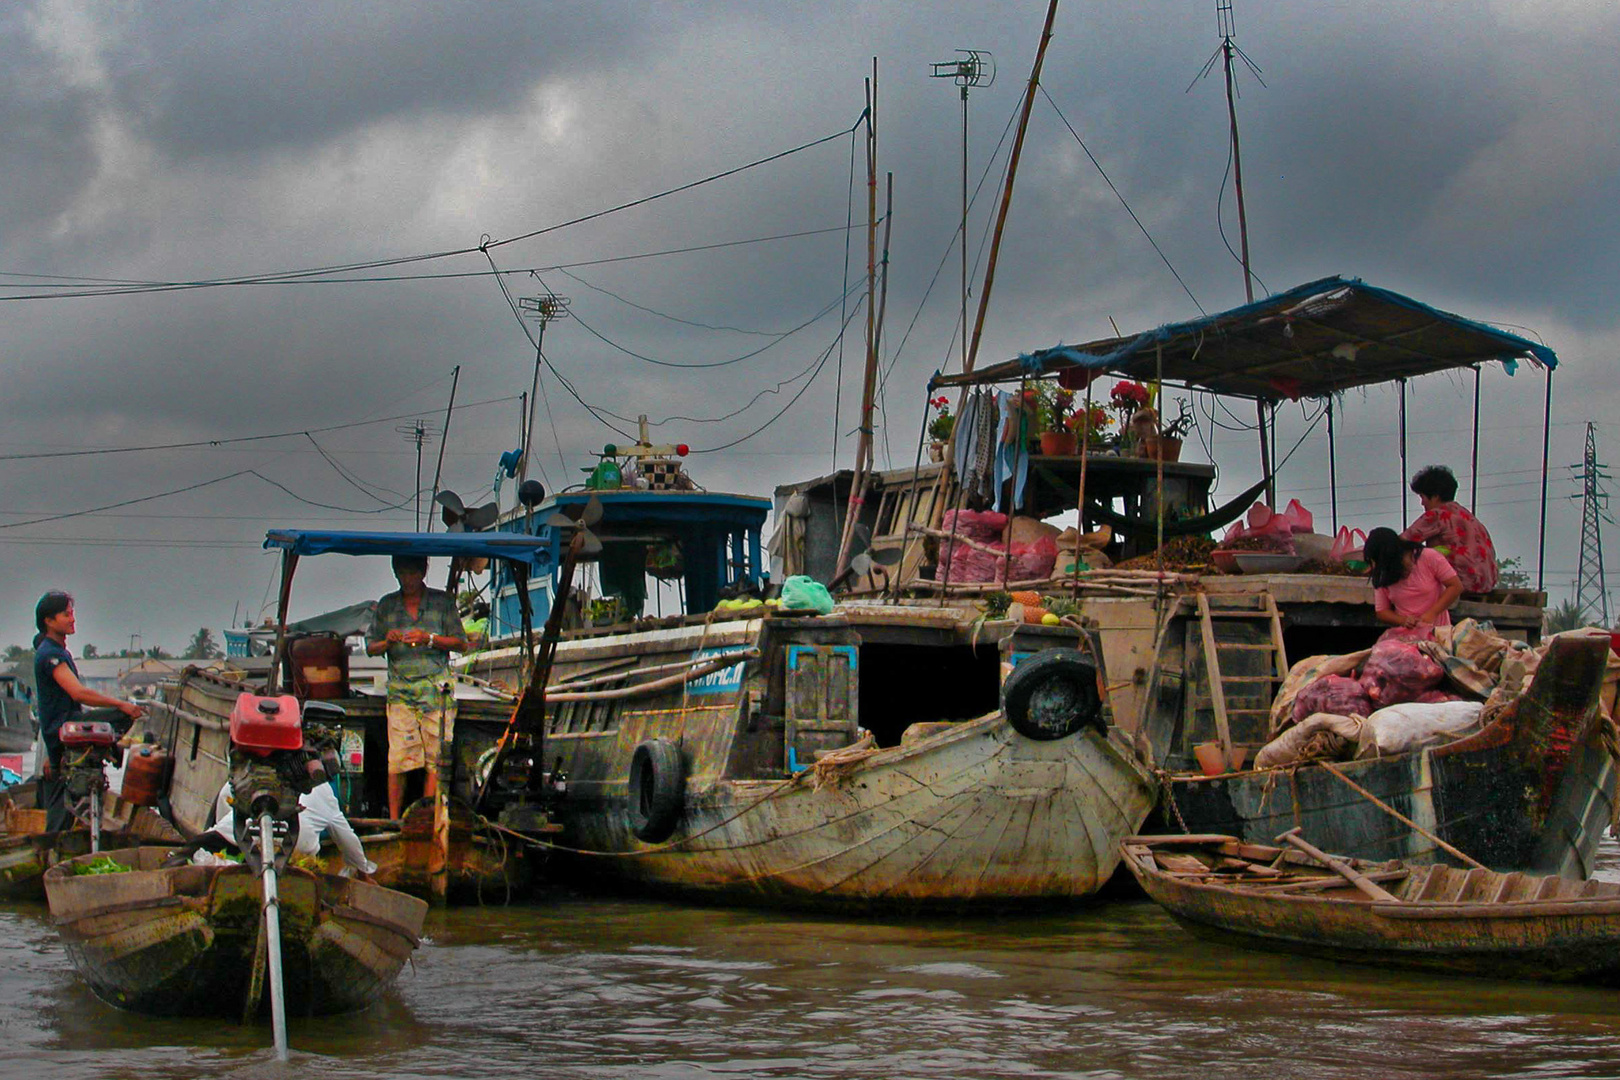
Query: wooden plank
[{"x": 1343, "y": 869}]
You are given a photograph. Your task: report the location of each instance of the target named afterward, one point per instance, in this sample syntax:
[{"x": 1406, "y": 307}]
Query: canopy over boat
[
  {"x": 535, "y": 552},
  {"x": 1313, "y": 340}
]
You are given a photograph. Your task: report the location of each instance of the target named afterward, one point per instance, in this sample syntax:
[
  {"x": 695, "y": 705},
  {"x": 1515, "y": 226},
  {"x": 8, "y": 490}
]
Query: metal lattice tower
[{"x": 1590, "y": 594}]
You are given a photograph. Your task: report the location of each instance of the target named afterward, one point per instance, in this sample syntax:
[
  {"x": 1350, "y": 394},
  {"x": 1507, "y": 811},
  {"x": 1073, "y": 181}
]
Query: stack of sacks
[{"x": 964, "y": 563}]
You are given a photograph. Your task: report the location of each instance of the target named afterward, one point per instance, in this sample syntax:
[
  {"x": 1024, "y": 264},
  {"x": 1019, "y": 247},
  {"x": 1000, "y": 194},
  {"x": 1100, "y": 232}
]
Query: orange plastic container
[{"x": 144, "y": 773}]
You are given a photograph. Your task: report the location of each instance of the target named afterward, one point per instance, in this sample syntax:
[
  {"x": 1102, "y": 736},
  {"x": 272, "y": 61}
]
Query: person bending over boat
[
  {"x": 418, "y": 628},
  {"x": 61, "y": 697},
  {"x": 1449, "y": 528},
  {"x": 318, "y": 813},
  {"x": 1413, "y": 586}
]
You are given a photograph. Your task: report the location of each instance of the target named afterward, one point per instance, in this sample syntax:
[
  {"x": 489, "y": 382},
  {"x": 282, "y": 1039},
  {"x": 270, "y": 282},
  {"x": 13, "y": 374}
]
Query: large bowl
[{"x": 1262, "y": 562}]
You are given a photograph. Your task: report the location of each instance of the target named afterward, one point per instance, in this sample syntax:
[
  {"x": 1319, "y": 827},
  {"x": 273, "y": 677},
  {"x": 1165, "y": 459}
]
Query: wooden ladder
[{"x": 1252, "y": 608}]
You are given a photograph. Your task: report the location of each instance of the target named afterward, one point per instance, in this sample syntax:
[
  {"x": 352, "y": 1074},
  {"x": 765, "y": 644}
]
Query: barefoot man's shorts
[{"x": 413, "y": 735}]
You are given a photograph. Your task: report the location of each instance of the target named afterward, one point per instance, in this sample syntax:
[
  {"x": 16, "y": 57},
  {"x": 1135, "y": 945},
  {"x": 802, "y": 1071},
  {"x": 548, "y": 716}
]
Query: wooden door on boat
[{"x": 821, "y": 701}]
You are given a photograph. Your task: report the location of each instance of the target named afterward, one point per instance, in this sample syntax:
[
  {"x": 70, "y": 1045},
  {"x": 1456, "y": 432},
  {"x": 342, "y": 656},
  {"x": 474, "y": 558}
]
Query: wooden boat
[
  {"x": 27, "y": 850},
  {"x": 181, "y": 941},
  {"x": 1443, "y": 918},
  {"x": 194, "y": 722},
  {"x": 852, "y": 760},
  {"x": 17, "y": 726}
]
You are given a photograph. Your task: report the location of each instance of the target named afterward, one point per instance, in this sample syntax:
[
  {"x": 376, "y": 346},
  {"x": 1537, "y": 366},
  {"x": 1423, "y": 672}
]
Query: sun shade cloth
[
  {"x": 513, "y": 547},
  {"x": 1313, "y": 340}
]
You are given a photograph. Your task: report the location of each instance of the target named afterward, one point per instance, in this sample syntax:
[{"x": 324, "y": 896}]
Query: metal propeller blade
[{"x": 480, "y": 518}]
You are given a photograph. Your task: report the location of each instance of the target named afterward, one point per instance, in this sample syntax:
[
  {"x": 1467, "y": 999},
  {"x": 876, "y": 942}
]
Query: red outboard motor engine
[
  {"x": 88, "y": 746},
  {"x": 270, "y": 769}
]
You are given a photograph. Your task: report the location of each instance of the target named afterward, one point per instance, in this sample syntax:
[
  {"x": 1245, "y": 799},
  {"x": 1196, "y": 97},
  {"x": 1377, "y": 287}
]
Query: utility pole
[
  {"x": 418, "y": 432},
  {"x": 1591, "y": 593},
  {"x": 974, "y": 68},
  {"x": 1226, "y": 27},
  {"x": 543, "y": 309}
]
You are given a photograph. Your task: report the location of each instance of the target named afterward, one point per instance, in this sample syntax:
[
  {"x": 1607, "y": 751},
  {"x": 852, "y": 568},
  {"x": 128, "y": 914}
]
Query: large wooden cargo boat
[
  {"x": 181, "y": 941},
  {"x": 858, "y": 759}
]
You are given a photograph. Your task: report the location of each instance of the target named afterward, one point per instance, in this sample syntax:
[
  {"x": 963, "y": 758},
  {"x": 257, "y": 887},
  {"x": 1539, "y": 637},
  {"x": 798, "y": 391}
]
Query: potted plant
[
  {"x": 1090, "y": 426},
  {"x": 1051, "y": 410},
  {"x": 1127, "y": 398},
  {"x": 1166, "y": 445},
  {"x": 940, "y": 427}
]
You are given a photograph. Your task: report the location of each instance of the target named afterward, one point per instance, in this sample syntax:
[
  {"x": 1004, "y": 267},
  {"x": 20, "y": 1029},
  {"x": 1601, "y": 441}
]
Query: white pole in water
[
  {"x": 272, "y": 936},
  {"x": 95, "y": 820}
]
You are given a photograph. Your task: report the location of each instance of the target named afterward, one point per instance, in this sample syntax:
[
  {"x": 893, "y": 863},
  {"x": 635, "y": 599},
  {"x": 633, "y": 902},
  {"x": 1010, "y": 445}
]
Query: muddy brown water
[{"x": 591, "y": 988}]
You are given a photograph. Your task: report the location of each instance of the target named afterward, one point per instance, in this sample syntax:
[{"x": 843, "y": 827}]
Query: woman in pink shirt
[{"x": 1413, "y": 586}]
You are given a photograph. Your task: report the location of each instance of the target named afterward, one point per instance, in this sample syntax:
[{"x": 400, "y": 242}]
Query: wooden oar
[{"x": 1344, "y": 870}]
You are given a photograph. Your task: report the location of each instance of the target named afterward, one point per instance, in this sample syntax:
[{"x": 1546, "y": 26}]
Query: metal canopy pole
[
  {"x": 1473, "y": 468},
  {"x": 1546, "y": 447},
  {"x": 1333, "y": 467},
  {"x": 1404, "y": 522}
]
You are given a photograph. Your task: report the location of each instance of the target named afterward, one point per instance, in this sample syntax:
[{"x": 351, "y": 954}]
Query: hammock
[{"x": 1218, "y": 518}]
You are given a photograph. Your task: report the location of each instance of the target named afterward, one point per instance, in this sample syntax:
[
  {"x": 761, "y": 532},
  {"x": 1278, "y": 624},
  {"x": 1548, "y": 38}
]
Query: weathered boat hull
[
  {"x": 181, "y": 942},
  {"x": 1553, "y": 930},
  {"x": 978, "y": 817},
  {"x": 1533, "y": 792}
]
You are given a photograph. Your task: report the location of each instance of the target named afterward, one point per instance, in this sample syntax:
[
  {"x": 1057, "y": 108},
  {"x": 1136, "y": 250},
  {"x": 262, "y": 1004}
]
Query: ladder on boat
[{"x": 1247, "y": 630}]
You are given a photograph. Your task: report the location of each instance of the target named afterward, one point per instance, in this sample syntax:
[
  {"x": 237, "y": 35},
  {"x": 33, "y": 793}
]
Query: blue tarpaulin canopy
[
  {"x": 1315, "y": 339},
  {"x": 533, "y": 551}
]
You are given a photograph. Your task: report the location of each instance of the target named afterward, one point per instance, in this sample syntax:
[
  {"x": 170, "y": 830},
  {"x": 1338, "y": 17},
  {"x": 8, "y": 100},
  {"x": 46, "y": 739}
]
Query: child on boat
[
  {"x": 1413, "y": 586},
  {"x": 1449, "y": 528}
]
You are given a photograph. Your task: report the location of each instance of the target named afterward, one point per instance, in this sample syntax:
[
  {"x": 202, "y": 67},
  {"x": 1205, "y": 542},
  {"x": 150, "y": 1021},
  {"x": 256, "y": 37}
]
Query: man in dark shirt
[{"x": 61, "y": 696}]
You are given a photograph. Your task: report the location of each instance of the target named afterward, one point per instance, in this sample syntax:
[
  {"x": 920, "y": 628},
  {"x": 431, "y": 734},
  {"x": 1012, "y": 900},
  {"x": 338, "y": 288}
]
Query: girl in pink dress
[{"x": 1413, "y": 586}]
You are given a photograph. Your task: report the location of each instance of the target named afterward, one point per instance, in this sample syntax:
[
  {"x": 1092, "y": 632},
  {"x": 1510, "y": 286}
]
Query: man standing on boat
[
  {"x": 61, "y": 697},
  {"x": 418, "y": 628}
]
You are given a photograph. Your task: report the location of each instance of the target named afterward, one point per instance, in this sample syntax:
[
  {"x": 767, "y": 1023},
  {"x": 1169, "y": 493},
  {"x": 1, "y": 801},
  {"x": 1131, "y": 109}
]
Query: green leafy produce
[{"x": 102, "y": 864}]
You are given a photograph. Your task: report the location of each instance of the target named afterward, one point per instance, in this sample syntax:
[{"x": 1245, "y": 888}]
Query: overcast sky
[{"x": 1464, "y": 154}]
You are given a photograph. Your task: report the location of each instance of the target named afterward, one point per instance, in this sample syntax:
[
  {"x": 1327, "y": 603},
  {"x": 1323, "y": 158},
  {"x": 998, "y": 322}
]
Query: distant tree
[
  {"x": 202, "y": 646},
  {"x": 91, "y": 652},
  {"x": 156, "y": 652},
  {"x": 16, "y": 654},
  {"x": 1511, "y": 574},
  {"x": 1565, "y": 616}
]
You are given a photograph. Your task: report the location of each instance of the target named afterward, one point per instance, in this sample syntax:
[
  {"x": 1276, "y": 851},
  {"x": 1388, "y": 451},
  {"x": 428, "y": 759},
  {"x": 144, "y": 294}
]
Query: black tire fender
[
  {"x": 657, "y": 789},
  {"x": 1052, "y": 695}
]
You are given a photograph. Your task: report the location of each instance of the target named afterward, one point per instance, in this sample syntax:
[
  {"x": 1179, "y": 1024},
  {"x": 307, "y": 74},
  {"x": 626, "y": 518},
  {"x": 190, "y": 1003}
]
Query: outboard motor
[
  {"x": 270, "y": 769},
  {"x": 88, "y": 747}
]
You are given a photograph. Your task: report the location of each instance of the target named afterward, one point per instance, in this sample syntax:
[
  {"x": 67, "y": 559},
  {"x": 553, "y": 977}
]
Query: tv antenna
[
  {"x": 418, "y": 432},
  {"x": 543, "y": 309},
  {"x": 973, "y": 67}
]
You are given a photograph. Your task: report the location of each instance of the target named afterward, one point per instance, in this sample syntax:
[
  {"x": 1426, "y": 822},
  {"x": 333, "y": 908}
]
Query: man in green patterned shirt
[{"x": 418, "y": 628}]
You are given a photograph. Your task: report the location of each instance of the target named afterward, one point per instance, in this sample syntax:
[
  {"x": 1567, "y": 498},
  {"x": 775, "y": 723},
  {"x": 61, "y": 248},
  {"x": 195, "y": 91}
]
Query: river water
[{"x": 591, "y": 988}]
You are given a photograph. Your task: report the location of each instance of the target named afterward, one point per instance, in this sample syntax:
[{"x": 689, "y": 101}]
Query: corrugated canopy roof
[{"x": 1310, "y": 341}]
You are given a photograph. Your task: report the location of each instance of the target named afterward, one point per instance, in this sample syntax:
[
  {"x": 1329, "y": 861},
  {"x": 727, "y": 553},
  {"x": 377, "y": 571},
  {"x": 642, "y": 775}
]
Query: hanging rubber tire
[
  {"x": 657, "y": 784},
  {"x": 1051, "y": 695}
]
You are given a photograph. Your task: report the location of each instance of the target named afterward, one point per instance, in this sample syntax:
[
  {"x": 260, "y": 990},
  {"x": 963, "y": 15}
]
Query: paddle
[{"x": 1344, "y": 870}]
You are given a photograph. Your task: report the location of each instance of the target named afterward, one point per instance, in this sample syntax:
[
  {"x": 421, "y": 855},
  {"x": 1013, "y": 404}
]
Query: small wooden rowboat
[
  {"x": 182, "y": 941},
  {"x": 1296, "y": 899},
  {"x": 27, "y": 850}
]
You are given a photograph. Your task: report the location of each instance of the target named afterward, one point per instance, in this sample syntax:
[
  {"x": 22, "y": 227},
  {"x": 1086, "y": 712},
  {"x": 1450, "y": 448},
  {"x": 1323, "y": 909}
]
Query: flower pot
[
  {"x": 936, "y": 451},
  {"x": 1057, "y": 443},
  {"x": 1162, "y": 448}
]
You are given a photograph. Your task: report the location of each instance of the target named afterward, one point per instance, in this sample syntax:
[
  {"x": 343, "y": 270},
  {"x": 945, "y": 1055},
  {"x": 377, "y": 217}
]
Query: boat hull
[
  {"x": 1533, "y": 792},
  {"x": 181, "y": 941},
  {"x": 976, "y": 817},
  {"x": 1555, "y": 940}
]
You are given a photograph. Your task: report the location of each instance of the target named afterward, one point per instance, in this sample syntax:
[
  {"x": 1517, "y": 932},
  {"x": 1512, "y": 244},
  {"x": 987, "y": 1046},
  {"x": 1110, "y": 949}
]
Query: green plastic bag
[{"x": 803, "y": 593}]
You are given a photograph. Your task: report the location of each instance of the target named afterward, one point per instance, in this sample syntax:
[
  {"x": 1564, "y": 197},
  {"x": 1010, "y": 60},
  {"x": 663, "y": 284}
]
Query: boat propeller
[
  {"x": 864, "y": 559},
  {"x": 460, "y": 518}
]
